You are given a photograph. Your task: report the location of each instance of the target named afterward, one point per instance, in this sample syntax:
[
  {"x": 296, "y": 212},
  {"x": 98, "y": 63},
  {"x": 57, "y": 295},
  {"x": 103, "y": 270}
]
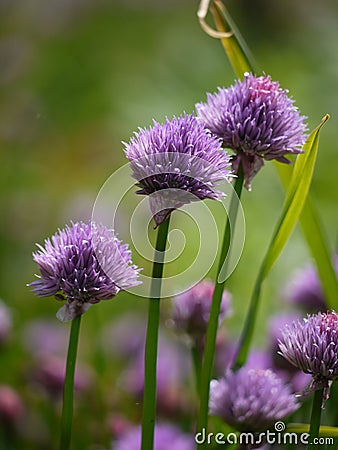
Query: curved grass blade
[
  {"x": 294, "y": 202},
  {"x": 317, "y": 243},
  {"x": 295, "y": 198}
]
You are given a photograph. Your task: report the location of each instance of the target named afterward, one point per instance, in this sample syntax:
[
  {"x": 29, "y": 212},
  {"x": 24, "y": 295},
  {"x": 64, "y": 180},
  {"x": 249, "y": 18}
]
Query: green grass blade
[
  {"x": 317, "y": 243},
  {"x": 295, "y": 198},
  {"x": 294, "y": 202}
]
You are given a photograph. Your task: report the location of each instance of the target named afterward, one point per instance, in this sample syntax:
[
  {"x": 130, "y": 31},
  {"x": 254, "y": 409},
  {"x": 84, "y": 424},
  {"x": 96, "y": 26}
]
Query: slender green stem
[
  {"x": 197, "y": 362},
  {"x": 210, "y": 342},
  {"x": 249, "y": 325},
  {"x": 150, "y": 359},
  {"x": 315, "y": 417},
  {"x": 68, "y": 389}
]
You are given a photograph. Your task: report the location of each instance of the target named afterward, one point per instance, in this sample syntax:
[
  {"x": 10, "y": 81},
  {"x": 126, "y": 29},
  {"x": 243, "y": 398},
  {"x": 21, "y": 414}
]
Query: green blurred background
[{"x": 77, "y": 77}]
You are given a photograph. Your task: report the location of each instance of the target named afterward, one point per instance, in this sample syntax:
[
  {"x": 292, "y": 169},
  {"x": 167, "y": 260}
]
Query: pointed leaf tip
[{"x": 295, "y": 198}]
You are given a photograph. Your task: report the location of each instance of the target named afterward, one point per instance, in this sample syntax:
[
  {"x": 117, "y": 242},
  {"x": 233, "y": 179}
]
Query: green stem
[
  {"x": 150, "y": 359},
  {"x": 196, "y": 359},
  {"x": 249, "y": 325},
  {"x": 68, "y": 389},
  {"x": 210, "y": 342},
  {"x": 315, "y": 417}
]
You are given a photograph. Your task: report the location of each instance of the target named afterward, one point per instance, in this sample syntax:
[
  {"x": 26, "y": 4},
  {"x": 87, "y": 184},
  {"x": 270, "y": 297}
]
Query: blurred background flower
[
  {"x": 304, "y": 289},
  {"x": 251, "y": 399},
  {"x": 191, "y": 311}
]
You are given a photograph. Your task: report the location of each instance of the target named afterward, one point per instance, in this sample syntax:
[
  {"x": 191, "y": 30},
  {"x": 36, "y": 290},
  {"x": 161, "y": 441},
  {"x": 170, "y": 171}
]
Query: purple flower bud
[
  {"x": 166, "y": 437},
  {"x": 82, "y": 265},
  {"x": 176, "y": 163},
  {"x": 191, "y": 310},
  {"x": 257, "y": 120},
  {"x": 251, "y": 399}
]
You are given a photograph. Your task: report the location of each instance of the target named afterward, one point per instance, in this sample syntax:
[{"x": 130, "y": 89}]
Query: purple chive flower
[
  {"x": 166, "y": 437},
  {"x": 305, "y": 289},
  {"x": 191, "y": 310},
  {"x": 257, "y": 120},
  {"x": 176, "y": 163},
  {"x": 312, "y": 346},
  {"x": 82, "y": 265},
  {"x": 251, "y": 399}
]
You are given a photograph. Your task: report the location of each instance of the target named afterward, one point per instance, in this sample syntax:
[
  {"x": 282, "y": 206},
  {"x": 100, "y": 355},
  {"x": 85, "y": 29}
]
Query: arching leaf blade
[{"x": 295, "y": 198}]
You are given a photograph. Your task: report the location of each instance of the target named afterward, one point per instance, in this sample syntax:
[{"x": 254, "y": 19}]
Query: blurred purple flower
[
  {"x": 118, "y": 425},
  {"x": 167, "y": 437},
  {"x": 49, "y": 373},
  {"x": 305, "y": 289},
  {"x": 173, "y": 368},
  {"x": 11, "y": 407},
  {"x": 83, "y": 264},
  {"x": 176, "y": 163},
  {"x": 41, "y": 337},
  {"x": 312, "y": 346},
  {"x": 191, "y": 310},
  {"x": 257, "y": 120},
  {"x": 125, "y": 337},
  {"x": 5, "y": 322},
  {"x": 258, "y": 359},
  {"x": 46, "y": 343},
  {"x": 251, "y": 399},
  {"x": 225, "y": 353}
]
